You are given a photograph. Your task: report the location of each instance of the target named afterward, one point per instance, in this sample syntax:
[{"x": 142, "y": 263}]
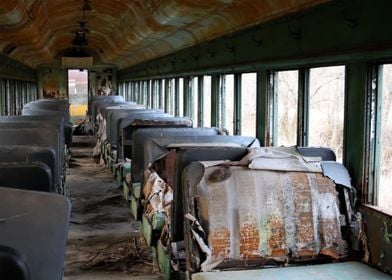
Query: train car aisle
[{"x": 104, "y": 242}]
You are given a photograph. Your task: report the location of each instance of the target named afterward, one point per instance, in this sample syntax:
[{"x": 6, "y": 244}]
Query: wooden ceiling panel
[{"x": 127, "y": 32}]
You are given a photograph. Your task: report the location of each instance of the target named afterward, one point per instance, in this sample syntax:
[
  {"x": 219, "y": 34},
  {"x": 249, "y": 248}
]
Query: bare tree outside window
[
  {"x": 207, "y": 101},
  {"x": 248, "y": 104},
  {"x": 326, "y": 108},
  {"x": 385, "y": 180},
  {"x": 195, "y": 100},
  {"x": 228, "y": 106},
  {"x": 286, "y": 110},
  {"x": 181, "y": 96},
  {"x": 162, "y": 96}
]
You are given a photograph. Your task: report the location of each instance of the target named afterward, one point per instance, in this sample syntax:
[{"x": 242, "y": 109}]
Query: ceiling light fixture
[
  {"x": 80, "y": 39},
  {"x": 87, "y": 5}
]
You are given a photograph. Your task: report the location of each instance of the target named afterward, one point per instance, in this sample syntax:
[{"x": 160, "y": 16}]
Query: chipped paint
[
  {"x": 387, "y": 235},
  {"x": 269, "y": 215}
]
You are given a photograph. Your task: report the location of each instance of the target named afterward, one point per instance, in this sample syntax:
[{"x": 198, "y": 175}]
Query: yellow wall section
[{"x": 77, "y": 110}]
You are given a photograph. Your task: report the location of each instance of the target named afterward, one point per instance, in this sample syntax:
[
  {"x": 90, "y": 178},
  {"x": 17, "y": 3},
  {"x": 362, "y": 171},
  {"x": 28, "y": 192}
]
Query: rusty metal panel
[
  {"x": 378, "y": 227},
  {"x": 269, "y": 215}
]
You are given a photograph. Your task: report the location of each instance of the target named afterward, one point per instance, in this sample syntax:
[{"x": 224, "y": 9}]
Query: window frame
[
  {"x": 303, "y": 104},
  {"x": 372, "y": 155}
]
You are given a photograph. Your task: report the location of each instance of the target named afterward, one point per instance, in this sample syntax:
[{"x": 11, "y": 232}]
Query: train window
[
  {"x": 121, "y": 89},
  {"x": 127, "y": 90},
  {"x": 326, "y": 108},
  {"x": 206, "y": 101},
  {"x": 180, "y": 93},
  {"x": 131, "y": 91},
  {"x": 77, "y": 92},
  {"x": 137, "y": 92},
  {"x": 188, "y": 97},
  {"x": 162, "y": 94},
  {"x": 3, "y": 100},
  {"x": 28, "y": 92},
  {"x": 195, "y": 100},
  {"x": 381, "y": 138},
  {"x": 248, "y": 104},
  {"x": 33, "y": 92},
  {"x": 285, "y": 108},
  {"x": 127, "y": 93},
  {"x": 155, "y": 94},
  {"x": 227, "y": 102},
  {"x": 140, "y": 92},
  {"x": 147, "y": 88},
  {"x": 145, "y": 92},
  {"x": 11, "y": 97},
  {"x": 170, "y": 105},
  {"x": 124, "y": 89}
]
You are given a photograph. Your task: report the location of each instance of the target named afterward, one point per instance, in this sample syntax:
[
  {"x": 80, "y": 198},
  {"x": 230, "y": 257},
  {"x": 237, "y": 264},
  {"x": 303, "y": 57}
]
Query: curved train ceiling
[{"x": 125, "y": 33}]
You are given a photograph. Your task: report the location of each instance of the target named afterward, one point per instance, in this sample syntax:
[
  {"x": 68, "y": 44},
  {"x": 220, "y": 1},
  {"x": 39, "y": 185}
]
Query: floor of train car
[{"x": 104, "y": 242}]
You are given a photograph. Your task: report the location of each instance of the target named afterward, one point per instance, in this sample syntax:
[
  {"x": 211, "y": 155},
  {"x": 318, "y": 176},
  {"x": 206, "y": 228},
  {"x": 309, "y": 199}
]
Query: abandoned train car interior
[{"x": 195, "y": 139}]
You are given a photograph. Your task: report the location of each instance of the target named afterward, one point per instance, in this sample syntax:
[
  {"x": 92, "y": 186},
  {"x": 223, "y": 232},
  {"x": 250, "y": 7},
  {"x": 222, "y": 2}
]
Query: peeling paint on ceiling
[{"x": 125, "y": 33}]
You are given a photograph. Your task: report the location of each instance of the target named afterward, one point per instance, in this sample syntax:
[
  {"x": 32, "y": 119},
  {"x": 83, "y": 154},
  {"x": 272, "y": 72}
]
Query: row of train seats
[
  {"x": 209, "y": 201},
  {"x": 34, "y": 213}
]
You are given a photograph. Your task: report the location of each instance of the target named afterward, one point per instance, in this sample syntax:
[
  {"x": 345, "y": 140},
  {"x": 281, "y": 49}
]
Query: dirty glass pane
[
  {"x": 385, "y": 180},
  {"x": 195, "y": 103},
  {"x": 162, "y": 95},
  {"x": 181, "y": 97},
  {"x": 77, "y": 93},
  {"x": 2, "y": 98},
  {"x": 228, "y": 103},
  {"x": 326, "y": 108},
  {"x": 248, "y": 104},
  {"x": 286, "y": 108},
  {"x": 207, "y": 101},
  {"x": 169, "y": 108}
]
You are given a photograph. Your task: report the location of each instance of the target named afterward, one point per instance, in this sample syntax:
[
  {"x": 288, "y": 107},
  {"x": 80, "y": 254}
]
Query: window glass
[
  {"x": 207, "y": 101},
  {"x": 227, "y": 88},
  {"x": 326, "y": 108},
  {"x": 129, "y": 93},
  {"x": 181, "y": 96},
  {"x": 286, "y": 108},
  {"x": 155, "y": 95},
  {"x": 195, "y": 100},
  {"x": 2, "y": 98},
  {"x": 385, "y": 173},
  {"x": 77, "y": 93},
  {"x": 162, "y": 95},
  {"x": 248, "y": 104},
  {"x": 171, "y": 100}
]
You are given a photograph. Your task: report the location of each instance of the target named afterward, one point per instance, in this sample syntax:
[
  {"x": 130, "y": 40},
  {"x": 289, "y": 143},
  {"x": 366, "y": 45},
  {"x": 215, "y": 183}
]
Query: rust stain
[
  {"x": 277, "y": 241},
  {"x": 220, "y": 242},
  {"x": 301, "y": 224},
  {"x": 303, "y": 209},
  {"x": 325, "y": 184},
  {"x": 170, "y": 167},
  {"x": 249, "y": 240}
]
